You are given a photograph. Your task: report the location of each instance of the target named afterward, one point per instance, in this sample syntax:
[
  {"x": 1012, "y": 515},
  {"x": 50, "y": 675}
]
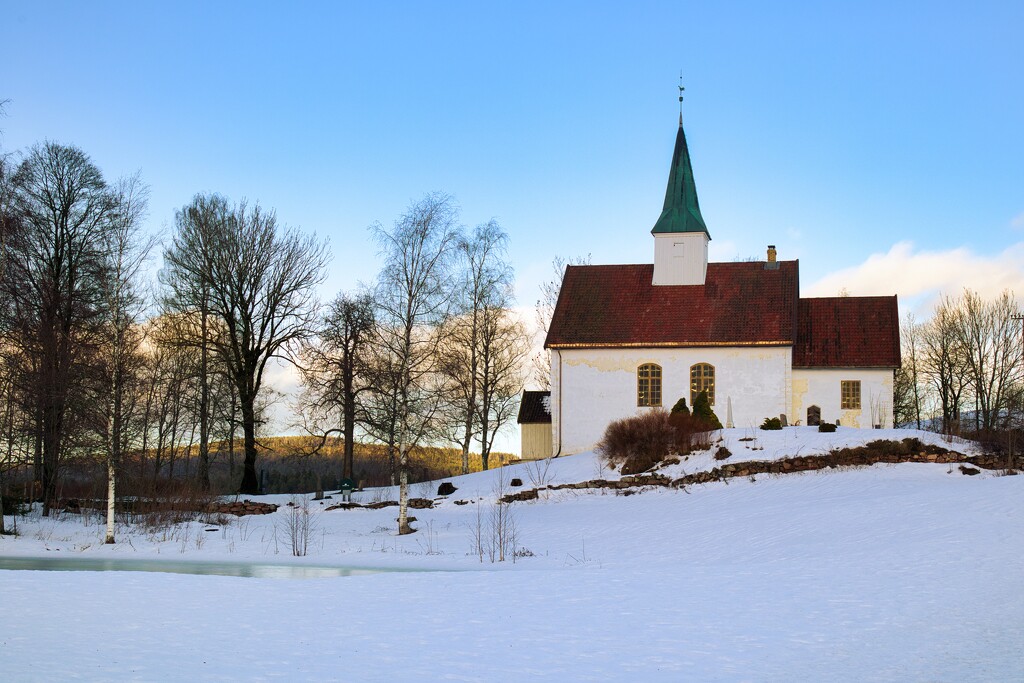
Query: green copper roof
[{"x": 681, "y": 212}]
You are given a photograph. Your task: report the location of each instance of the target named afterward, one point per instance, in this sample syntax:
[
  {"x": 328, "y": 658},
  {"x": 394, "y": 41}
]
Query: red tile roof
[
  {"x": 739, "y": 304},
  {"x": 848, "y": 332}
]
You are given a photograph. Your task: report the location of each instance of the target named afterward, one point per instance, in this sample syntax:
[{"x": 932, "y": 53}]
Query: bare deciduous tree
[
  {"x": 503, "y": 350},
  {"x": 943, "y": 361},
  {"x": 121, "y": 335},
  {"x": 413, "y": 297},
  {"x": 61, "y": 209},
  {"x": 907, "y": 389},
  {"x": 261, "y": 281},
  {"x": 545, "y": 309},
  {"x": 335, "y": 371},
  {"x": 987, "y": 332},
  {"x": 485, "y": 283}
]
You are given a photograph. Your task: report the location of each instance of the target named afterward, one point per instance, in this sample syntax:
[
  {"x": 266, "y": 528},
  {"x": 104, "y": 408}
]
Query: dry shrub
[
  {"x": 639, "y": 442},
  {"x": 156, "y": 505}
]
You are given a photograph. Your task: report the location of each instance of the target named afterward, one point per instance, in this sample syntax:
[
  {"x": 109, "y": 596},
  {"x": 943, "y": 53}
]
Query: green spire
[{"x": 681, "y": 212}]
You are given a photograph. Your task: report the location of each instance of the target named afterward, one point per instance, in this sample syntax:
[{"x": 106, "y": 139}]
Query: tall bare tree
[
  {"x": 987, "y": 332},
  {"x": 944, "y": 362},
  {"x": 503, "y": 352},
  {"x": 485, "y": 283},
  {"x": 414, "y": 297},
  {"x": 261, "y": 280},
  {"x": 335, "y": 371},
  {"x": 908, "y": 392},
  {"x": 545, "y": 308},
  {"x": 121, "y": 337},
  {"x": 61, "y": 209},
  {"x": 203, "y": 220}
]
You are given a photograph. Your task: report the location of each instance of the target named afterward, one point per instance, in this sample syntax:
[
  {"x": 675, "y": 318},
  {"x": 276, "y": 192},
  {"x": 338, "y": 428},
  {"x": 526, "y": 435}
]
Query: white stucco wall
[
  {"x": 822, "y": 388},
  {"x": 592, "y": 387},
  {"x": 680, "y": 258}
]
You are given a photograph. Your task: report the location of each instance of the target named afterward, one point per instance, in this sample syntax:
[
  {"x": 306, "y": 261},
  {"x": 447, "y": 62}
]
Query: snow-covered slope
[{"x": 894, "y": 572}]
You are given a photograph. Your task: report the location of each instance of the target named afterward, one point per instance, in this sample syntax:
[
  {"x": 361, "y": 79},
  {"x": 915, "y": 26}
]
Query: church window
[
  {"x": 702, "y": 378},
  {"x": 850, "y": 391},
  {"x": 648, "y": 385}
]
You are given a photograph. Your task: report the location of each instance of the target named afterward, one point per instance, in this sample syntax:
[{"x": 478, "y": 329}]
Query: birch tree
[
  {"x": 484, "y": 283},
  {"x": 414, "y": 296},
  {"x": 124, "y": 302}
]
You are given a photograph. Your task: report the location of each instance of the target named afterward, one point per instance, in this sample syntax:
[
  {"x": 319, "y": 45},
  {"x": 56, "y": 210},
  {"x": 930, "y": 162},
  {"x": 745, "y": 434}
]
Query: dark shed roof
[{"x": 534, "y": 408}]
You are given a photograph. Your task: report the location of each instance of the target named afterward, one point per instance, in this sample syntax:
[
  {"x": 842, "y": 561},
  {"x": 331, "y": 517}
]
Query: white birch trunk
[
  {"x": 111, "y": 481},
  {"x": 403, "y": 492}
]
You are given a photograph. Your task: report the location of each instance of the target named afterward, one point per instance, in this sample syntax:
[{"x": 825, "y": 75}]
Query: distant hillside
[{"x": 290, "y": 466}]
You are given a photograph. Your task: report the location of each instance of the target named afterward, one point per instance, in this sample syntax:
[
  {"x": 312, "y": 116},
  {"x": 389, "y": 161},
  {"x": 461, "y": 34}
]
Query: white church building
[{"x": 629, "y": 338}]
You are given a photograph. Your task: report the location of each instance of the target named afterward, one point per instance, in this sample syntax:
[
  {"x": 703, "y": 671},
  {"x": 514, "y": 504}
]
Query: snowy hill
[{"x": 892, "y": 572}]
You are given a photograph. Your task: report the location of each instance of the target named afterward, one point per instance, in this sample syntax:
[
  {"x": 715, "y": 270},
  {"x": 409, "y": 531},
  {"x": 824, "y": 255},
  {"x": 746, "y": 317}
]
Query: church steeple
[
  {"x": 682, "y": 211},
  {"x": 680, "y": 235}
]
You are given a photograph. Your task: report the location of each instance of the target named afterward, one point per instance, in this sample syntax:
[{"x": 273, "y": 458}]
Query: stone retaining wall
[{"x": 908, "y": 450}]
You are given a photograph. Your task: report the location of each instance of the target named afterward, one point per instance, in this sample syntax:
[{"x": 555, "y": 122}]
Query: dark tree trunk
[
  {"x": 349, "y": 410},
  {"x": 204, "y": 408},
  {"x": 37, "y": 459},
  {"x": 52, "y": 417},
  {"x": 250, "y": 484}
]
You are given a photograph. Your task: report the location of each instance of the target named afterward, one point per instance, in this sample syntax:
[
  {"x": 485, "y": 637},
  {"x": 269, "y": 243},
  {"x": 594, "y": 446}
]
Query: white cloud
[
  {"x": 920, "y": 277},
  {"x": 1017, "y": 222}
]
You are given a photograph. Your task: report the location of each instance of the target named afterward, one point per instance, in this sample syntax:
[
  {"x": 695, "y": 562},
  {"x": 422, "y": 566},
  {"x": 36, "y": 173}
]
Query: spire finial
[{"x": 681, "y": 89}]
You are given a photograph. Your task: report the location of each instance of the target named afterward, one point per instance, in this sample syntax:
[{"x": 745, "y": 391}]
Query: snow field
[{"x": 894, "y": 572}]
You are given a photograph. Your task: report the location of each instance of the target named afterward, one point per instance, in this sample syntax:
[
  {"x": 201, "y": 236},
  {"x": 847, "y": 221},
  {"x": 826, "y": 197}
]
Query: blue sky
[{"x": 882, "y": 144}]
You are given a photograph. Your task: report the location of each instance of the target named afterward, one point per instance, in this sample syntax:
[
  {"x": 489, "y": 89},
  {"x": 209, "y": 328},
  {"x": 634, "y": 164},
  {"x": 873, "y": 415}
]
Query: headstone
[{"x": 782, "y": 419}]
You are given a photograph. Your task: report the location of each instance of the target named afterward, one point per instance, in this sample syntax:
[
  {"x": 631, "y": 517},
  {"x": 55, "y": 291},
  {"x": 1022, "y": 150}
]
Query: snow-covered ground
[{"x": 890, "y": 573}]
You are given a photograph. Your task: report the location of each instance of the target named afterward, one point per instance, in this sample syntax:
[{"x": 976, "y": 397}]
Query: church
[{"x": 629, "y": 338}]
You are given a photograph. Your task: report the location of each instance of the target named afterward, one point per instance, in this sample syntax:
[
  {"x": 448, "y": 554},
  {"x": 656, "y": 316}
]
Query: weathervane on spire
[{"x": 681, "y": 89}]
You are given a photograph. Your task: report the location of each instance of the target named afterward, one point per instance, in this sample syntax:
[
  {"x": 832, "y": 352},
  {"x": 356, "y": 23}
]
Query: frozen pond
[{"x": 246, "y": 569}]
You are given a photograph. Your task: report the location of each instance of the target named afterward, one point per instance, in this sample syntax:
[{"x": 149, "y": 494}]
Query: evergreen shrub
[
  {"x": 702, "y": 411},
  {"x": 771, "y": 423}
]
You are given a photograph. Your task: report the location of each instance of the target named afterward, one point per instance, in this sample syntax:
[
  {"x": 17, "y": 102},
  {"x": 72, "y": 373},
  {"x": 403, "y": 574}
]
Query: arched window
[
  {"x": 648, "y": 385},
  {"x": 702, "y": 378}
]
